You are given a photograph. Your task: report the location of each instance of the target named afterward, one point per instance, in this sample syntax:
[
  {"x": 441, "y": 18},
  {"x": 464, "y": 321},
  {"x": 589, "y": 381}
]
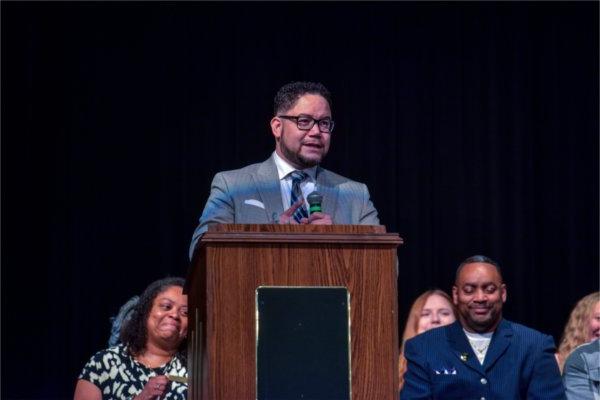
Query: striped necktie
[{"x": 297, "y": 178}]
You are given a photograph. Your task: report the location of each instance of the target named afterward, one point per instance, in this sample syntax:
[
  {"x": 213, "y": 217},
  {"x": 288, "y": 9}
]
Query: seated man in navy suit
[
  {"x": 275, "y": 190},
  {"x": 481, "y": 355}
]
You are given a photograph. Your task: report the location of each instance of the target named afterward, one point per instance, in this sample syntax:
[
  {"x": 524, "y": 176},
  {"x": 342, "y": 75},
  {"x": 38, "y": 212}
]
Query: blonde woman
[
  {"x": 583, "y": 327},
  {"x": 431, "y": 309}
]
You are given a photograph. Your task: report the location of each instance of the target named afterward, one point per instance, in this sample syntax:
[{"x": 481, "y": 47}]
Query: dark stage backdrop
[{"x": 475, "y": 126}]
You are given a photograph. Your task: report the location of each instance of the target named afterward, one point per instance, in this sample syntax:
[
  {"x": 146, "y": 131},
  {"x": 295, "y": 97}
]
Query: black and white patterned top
[{"x": 120, "y": 377}]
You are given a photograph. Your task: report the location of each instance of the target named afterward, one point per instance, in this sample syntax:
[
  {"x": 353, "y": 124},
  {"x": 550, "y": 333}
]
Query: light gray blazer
[
  {"x": 252, "y": 195},
  {"x": 581, "y": 374}
]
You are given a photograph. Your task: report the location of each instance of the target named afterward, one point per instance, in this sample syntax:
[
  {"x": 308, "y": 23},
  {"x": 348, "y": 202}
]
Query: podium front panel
[{"x": 303, "y": 340}]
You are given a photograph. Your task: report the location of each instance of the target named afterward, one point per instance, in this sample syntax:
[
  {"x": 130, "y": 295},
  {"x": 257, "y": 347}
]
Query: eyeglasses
[{"x": 305, "y": 123}]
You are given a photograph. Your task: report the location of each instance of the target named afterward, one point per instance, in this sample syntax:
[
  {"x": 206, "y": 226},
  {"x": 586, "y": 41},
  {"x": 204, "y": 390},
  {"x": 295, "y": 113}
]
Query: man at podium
[{"x": 275, "y": 190}]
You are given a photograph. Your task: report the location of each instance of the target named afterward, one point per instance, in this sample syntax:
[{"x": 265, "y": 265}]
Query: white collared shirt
[{"x": 284, "y": 169}]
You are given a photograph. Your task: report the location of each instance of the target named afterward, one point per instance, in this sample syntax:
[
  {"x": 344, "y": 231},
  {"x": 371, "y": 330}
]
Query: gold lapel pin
[{"x": 464, "y": 357}]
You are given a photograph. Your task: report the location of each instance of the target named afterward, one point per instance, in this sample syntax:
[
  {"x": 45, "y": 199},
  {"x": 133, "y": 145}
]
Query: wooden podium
[{"x": 232, "y": 261}]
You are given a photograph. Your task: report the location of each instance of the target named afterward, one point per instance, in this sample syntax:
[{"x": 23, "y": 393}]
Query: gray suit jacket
[
  {"x": 252, "y": 195},
  {"x": 582, "y": 372}
]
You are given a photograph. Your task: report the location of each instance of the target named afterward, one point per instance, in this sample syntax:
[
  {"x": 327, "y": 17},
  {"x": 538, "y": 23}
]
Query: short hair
[
  {"x": 134, "y": 333},
  {"x": 288, "y": 94},
  {"x": 575, "y": 332},
  {"x": 478, "y": 259}
]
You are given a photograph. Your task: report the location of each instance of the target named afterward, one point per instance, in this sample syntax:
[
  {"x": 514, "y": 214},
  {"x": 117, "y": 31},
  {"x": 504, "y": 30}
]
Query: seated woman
[
  {"x": 150, "y": 361},
  {"x": 432, "y": 309},
  {"x": 583, "y": 327}
]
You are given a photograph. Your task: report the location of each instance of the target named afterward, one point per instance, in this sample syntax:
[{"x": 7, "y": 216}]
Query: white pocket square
[{"x": 255, "y": 203}]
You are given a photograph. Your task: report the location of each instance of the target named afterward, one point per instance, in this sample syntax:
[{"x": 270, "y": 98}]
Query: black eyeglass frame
[{"x": 314, "y": 121}]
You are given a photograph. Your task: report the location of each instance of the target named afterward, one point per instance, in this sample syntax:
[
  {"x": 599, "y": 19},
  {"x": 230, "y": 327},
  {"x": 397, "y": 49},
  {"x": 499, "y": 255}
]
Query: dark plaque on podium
[{"x": 303, "y": 340}]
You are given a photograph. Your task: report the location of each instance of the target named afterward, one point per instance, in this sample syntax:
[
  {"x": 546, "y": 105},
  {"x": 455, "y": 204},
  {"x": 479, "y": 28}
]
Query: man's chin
[
  {"x": 310, "y": 160},
  {"x": 301, "y": 161},
  {"x": 480, "y": 322}
]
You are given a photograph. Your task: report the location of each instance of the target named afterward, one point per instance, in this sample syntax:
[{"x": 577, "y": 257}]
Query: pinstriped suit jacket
[
  {"x": 345, "y": 200},
  {"x": 519, "y": 364}
]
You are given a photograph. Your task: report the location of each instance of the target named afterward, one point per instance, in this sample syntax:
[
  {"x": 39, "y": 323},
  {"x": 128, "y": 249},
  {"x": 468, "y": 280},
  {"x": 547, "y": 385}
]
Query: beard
[{"x": 295, "y": 158}]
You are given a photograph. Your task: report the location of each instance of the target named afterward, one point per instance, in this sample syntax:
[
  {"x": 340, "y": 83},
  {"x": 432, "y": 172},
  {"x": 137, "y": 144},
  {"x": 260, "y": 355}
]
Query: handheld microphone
[{"x": 314, "y": 201}]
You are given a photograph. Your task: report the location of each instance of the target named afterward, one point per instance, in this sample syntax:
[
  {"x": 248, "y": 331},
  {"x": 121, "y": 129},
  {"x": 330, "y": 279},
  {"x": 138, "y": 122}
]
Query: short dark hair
[
  {"x": 135, "y": 333},
  {"x": 477, "y": 259},
  {"x": 289, "y": 94}
]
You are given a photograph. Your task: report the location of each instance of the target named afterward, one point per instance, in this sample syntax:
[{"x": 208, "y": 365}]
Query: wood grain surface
[{"x": 232, "y": 261}]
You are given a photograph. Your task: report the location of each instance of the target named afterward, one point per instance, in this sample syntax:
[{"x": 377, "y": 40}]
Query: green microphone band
[{"x": 315, "y": 208}]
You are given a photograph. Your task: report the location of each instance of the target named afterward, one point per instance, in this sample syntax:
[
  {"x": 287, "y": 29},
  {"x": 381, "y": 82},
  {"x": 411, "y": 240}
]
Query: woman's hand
[{"x": 156, "y": 387}]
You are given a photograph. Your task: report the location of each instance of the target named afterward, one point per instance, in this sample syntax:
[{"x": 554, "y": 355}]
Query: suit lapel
[
  {"x": 499, "y": 344},
  {"x": 592, "y": 361},
  {"x": 461, "y": 348},
  {"x": 329, "y": 191},
  {"x": 269, "y": 188}
]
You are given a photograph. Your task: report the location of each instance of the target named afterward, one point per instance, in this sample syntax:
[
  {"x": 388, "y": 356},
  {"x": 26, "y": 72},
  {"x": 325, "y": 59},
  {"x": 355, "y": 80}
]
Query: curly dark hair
[
  {"x": 135, "y": 333},
  {"x": 288, "y": 94}
]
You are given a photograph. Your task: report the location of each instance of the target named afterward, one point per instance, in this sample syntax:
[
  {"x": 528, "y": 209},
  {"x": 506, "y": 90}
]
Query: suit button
[
  {"x": 483, "y": 382},
  {"x": 483, "y": 398}
]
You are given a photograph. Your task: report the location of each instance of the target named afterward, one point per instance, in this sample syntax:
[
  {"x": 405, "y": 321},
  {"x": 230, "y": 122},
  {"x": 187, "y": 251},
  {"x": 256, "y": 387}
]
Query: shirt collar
[
  {"x": 474, "y": 336},
  {"x": 284, "y": 168}
]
